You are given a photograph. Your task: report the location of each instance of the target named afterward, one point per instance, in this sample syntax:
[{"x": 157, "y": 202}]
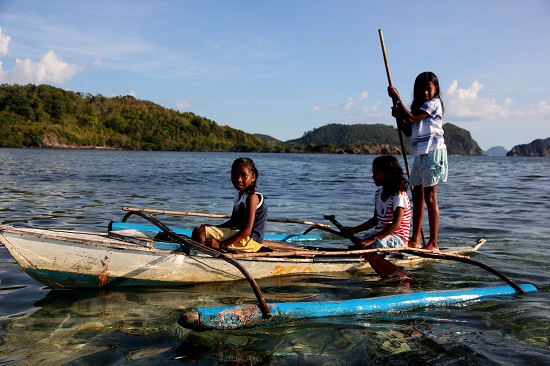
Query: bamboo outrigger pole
[
  {"x": 186, "y": 213},
  {"x": 396, "y": 121}
]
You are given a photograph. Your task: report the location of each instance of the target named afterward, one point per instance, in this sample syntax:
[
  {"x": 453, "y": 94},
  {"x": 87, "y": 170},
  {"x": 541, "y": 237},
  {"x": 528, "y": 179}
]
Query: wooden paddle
[
  {"x": 381, "y": 266},
  {"x": 180, "y": 213}
]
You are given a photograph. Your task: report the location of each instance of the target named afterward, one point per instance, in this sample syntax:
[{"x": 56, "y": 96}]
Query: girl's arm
[
  {"x": 390, "y": 229},
  {"x": 369, "y": 224},
  {"x": 251, "y": 202},
  {"x": 401, "y": 110}
]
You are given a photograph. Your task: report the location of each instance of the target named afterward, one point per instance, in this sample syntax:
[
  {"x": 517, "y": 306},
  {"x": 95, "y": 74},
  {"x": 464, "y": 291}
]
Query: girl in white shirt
[{"x": 430, "y": 165}]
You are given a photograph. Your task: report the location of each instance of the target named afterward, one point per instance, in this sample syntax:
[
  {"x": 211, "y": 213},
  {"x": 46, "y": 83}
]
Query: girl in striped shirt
[{"x": 392, "y": 210}]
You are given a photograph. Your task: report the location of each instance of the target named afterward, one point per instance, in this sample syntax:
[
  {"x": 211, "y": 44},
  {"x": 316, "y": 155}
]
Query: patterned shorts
[
  {"x": 390, "y": 241},
  {"x": 430, "y": 169}
]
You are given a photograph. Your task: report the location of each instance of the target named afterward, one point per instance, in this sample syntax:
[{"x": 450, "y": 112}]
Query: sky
[{"x": 284, "y": 68}]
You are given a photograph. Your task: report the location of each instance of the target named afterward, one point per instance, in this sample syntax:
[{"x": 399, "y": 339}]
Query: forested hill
[
  {"x": 335, "y": 133},
  {"x": 458, "y": 140},
  {"x": 45, "y": 116}
]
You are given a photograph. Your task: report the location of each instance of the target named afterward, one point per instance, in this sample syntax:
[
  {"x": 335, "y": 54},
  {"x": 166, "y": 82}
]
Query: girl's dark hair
[
  {"x": 390, "y": 165},
  {"x": 423, "y": 77},
  {"x": 247, "y": 162}
]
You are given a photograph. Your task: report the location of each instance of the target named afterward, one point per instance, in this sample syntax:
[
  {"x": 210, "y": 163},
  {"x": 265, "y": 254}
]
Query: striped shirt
[
  {"x": 427, "y": 134},
  {"x": 385, "y": 210}
]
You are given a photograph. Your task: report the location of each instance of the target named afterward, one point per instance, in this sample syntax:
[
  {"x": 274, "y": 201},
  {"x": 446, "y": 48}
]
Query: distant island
[
  {"x": 496, "y": 151},
  {"x": 376, "y": 139},
  {"x": 44, "y": 116}
]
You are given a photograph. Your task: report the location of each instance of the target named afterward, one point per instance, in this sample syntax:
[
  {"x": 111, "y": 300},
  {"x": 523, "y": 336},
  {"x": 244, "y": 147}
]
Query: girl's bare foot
[
  {"x": 414, "y": 244},
  {"x": 431, "y": 246}
]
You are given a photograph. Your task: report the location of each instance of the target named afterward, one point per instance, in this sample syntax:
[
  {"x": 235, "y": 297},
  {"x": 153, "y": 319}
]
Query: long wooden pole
[
  {"x": 418, "y": 252},
  {"x": 396, "y": 122},
  {"x": 186, "y": 213},
  {"x": 390, "y": 84}
]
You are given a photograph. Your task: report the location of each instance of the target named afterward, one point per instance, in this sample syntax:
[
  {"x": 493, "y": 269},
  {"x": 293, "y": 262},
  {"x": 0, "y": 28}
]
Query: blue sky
[{"x": 283, "y": 68}]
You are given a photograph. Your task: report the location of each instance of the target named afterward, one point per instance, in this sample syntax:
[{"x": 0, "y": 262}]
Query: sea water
[{"x": 505, "y": 200}]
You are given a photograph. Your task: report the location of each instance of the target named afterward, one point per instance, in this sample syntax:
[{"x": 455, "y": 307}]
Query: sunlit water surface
[{"x": 505, "y": 200}]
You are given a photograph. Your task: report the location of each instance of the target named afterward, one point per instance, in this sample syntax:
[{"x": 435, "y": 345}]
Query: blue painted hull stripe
[{"x": 151, "y": 231}]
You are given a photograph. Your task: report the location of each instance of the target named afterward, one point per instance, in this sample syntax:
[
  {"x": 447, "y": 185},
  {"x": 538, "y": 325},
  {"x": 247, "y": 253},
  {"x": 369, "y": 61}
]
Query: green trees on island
[
  {"x": 380, "y": 139},
  {"x": 46, "y": 116}
]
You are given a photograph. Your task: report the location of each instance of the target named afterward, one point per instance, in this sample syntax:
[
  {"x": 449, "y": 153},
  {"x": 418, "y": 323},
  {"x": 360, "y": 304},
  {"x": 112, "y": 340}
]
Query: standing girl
[
  {"x": 392, "y": 210},
  {"x": 430, "y": 165},
  {"x": 245, "y": 230}
]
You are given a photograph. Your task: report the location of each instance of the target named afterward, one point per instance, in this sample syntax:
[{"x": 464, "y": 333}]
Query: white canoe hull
[{"x": 64, "y": 259}]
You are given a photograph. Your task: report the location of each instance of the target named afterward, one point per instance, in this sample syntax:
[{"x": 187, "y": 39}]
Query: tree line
[{"x": 46, "y": 116}]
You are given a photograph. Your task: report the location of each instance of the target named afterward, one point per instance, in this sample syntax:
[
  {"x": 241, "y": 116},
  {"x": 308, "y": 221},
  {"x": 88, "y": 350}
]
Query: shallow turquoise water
[{"x": 506, "y": 200}]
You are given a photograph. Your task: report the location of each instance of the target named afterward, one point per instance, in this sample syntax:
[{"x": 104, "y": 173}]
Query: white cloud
[
  {"x": 369, "y": 110},
  {"x": 354, "y": 110},
  {"x": 469, "y": 93},
  {"x": 132, "y": 93},
  {"x": 50, "y": 69},
  {"x": 315, "y": 109},
  {"x": 350, "y": 102},
  {"x": 4, "y": 42},
  {"x": 483, "y": 116},
  {"x": 466, "y": 104},
  {"x": 184, "y": 105}
]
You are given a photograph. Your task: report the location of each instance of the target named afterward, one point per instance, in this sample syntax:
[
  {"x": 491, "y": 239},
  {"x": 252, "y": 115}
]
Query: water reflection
[
  {"x": 139, "y": 326},
  {"x": 106, "y": 326}
]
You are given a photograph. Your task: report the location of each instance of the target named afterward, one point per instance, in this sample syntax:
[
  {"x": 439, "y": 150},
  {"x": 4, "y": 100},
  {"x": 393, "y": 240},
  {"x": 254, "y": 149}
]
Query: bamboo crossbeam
[
  {"x": 187, "y": 213},
  {"x": 313, "y": 253}
]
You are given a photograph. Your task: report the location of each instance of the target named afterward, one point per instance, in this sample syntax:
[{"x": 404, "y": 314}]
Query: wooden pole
[
  {"x": 312, "y": 253},
  {"x": 418, "y": 252},
  {"x": 390, "y": 84},
  {"x": 186, "y": 213},
  {"x": 397, "y": 123}
]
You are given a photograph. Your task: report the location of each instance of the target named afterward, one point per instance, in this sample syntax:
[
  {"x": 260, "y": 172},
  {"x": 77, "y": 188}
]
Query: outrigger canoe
[{"x": 128, "y": 257}]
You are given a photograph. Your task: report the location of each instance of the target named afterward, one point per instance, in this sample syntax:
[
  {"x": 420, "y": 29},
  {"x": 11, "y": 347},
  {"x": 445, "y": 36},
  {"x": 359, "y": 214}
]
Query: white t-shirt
[{"x": 427, "y": 134}]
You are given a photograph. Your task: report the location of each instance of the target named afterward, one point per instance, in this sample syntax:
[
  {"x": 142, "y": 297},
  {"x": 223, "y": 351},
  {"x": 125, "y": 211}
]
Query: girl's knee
[
  {"x": 430, "y": 194},
  {"x": 198, "y": 234}
]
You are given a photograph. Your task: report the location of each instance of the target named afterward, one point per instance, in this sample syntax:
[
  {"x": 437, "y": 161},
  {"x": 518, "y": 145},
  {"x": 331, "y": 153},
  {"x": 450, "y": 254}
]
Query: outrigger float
[{"x": 246, "y": 316}]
